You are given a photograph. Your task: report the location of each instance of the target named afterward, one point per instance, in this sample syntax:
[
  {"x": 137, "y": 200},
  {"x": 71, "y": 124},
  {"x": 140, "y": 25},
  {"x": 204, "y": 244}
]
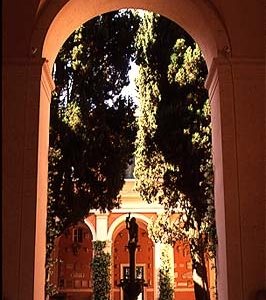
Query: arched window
[{"x": 77, "y": 235}]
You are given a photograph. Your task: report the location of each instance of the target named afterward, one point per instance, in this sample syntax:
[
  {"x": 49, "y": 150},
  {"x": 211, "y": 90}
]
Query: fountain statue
[{"x": 131, "y": 286}]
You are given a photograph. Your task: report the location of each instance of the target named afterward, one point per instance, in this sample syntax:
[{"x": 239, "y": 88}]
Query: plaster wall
[
  {"x": 72, "y": 273},
  {"x": 74, "y": 270}
]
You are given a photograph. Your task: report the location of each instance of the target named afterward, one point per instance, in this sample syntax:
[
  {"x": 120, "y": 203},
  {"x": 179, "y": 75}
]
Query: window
[
  {"x": 77, "y": 235},
  {"x": 139, "y": 275},
  {"x": 139, "y": 272},
  {"x": 84, "y": 284},
  {"x": 126, "y": 272},
  {"x": 77, "y": 284}
]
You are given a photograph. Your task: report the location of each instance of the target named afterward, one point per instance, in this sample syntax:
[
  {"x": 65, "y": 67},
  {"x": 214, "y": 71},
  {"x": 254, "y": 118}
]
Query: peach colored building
[
  {"x": 231, "y": 34},
  {"x": 72, "y": 275}
]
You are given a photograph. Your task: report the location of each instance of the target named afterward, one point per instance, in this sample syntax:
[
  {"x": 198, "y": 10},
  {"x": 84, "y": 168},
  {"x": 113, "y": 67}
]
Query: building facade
[{"x": 74, "y": 251}]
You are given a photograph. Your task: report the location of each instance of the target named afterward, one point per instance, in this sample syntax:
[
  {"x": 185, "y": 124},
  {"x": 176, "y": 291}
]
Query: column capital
[
  {"x": 229, "y": 66},
  {"x": 100, "y": 214},
  {"x": 108, "y": 247},
  {"x": 35, "y": 68},
  {"x": 101, "y": 225}
]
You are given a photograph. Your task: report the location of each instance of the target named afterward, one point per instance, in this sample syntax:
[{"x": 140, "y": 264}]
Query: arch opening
[
  {"x": 201, "y": 21},
  {"x": 74, "y": 13}
]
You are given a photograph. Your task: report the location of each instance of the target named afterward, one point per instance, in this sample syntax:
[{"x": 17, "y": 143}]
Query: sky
[{"x": 130, "y": 90}]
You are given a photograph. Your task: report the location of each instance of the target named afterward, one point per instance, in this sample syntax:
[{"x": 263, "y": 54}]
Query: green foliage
[
  {"x": 50, "y": 288},
  {"x": 166, "y": 280},
  {"x": 173, "y": 147},
  {"x": 149, "y": 161},
  {"x": 164, "y": 230},
  {"x": 101, "y": 268},
  {"x": 92, "y": 127}
]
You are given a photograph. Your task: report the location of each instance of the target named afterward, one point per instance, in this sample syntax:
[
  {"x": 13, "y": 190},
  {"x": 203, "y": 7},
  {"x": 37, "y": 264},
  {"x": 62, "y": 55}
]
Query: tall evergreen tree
[
  {"x": 173, "y": 154},
  {"x": 101, "y": 272},
  {"x": 92, "y": 127},
  {"x": 166, "y": 274}
]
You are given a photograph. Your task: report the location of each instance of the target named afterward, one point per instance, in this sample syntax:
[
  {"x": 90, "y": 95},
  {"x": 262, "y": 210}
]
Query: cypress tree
[
  {"x": 92, "y": 126},
  {"x": 173, "y": 147}
]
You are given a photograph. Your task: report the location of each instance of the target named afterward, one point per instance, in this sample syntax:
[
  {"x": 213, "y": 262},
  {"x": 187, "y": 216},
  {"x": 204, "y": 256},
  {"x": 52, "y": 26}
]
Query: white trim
[
  {"x": 92, "y": 228},
  {"x": 140, "y": 209},
  {"x": 101, "y": 226},
  {"x": 122, "y": 219}
]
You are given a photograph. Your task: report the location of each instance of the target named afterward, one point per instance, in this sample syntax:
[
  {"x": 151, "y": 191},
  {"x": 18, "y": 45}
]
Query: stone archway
[
  {"x": 120, "y": 220},
  {"x": 91, "y": 227},
  {"x": 232, "y": 82},
  {"x": 52, "y": 29},
  {"x": 145, "y": 253},
  {"x": 56, "y": 21}
]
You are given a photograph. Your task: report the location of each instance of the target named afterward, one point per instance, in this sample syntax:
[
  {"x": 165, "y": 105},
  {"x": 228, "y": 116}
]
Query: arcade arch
[
  {"x": 120, "y": 220},
  {"x": 144, "y": 255},
  {"x": 91, "y": 227},
  {"x": 56, "y": 21}
]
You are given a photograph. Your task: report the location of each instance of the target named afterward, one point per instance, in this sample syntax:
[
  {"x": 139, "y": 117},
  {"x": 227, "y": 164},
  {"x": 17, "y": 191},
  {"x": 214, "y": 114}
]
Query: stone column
[
  {"x": 237, "y": 93},
  {"x": 157, "y": 263},
  {"x": 101, "y": 226},
  {"x": 109, "y": 247},
  {"x": 169, "y": 251},
  {"x": 26, "y": 107}
]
